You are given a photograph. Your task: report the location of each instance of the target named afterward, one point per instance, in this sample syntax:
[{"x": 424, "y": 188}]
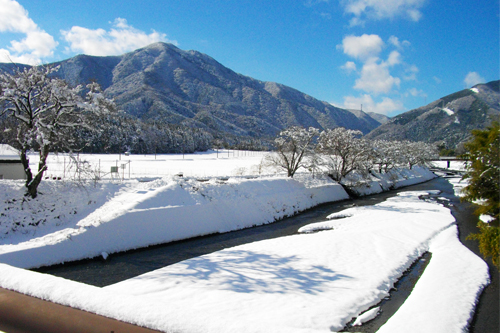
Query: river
[{"x": 122, "y": 266}]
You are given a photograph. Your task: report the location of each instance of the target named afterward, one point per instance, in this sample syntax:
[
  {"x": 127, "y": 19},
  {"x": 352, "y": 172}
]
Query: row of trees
[
  {"x": 125, "y": 133},
  {"x": 340, "y": 151}
]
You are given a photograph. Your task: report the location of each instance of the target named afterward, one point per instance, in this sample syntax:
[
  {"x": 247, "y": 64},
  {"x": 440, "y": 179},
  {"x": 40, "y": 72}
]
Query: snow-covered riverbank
[
  {"x": 68, "y": 222},
  {"x": 303, "y": 283}
]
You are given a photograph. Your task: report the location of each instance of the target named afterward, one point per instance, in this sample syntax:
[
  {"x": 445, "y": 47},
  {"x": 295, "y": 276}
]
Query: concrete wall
[{"x": 11, "y": 170}]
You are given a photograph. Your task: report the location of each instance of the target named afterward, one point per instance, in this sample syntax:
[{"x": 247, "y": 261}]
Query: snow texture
[
  {"x": 367, "y": 316},
  {"x": 8, "y": 152},
  {"x": 448, "y": 111},
  {"x": 309, "y": 282},
  {"x": 486, "y": 218}
]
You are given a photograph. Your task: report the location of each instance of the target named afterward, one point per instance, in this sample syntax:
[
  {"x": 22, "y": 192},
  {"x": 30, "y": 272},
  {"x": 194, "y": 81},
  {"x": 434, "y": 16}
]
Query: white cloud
[
  {"x": 386, "y": 106},
  {"x": 398, "y": 44},
  {"x": 362, "y": 47},
  {"x": 120, "y": 39},
  {"x": 376, "y": 78},
  {"x": 37, "y": 45},
  {"x": 473, "y": 78},
  {"x": 411, "y": 73},
  {"x": 349, "y": 67},
  {"x": 383, "y": 9},
  {"x": 394, "y": 58},
  {"x": 14, "y": 18},
  {"x": 415, "y": 92},
  {"x": 356, "y": 22},
  {"x": 414, "y": 14},
  {"x": 375, "y": 74}
]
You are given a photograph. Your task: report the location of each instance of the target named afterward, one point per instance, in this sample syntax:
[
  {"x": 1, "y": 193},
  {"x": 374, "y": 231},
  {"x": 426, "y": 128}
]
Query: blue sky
[{"x": 389, "y": 55}]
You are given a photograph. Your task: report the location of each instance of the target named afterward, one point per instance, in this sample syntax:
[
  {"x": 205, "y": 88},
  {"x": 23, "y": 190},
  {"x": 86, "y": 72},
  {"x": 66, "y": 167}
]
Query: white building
[{"x": 10, "y": 163}]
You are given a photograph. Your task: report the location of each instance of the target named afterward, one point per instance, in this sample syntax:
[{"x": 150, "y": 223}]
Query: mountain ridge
[
  {"x": 161, "y": 81},
  {"x": 448, "y": 120}
]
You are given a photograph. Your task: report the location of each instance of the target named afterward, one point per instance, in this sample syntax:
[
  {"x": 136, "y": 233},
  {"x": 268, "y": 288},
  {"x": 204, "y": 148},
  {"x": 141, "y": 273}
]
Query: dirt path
[{"x": 24, "y": 314}]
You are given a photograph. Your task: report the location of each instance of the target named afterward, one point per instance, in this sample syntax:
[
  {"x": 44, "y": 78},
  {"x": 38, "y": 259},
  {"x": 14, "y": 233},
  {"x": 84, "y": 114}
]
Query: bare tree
[
  {"x": 293, "y": 147},
  {"x": 45, "y": 112}
]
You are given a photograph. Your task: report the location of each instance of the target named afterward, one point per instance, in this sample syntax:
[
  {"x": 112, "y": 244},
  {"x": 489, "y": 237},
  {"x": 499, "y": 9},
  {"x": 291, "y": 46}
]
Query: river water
[{"x": 122, "y": 266}]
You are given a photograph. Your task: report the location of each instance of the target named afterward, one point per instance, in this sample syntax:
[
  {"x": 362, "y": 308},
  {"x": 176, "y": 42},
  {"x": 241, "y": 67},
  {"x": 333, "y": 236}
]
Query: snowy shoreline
[
  {"x": 172, "y": 208},
  {"x": 302, "y": 283}
]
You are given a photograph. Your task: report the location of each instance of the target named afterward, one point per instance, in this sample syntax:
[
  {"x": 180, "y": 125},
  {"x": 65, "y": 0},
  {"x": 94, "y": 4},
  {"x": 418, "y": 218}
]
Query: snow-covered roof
[{"x": 8, "y": 152}]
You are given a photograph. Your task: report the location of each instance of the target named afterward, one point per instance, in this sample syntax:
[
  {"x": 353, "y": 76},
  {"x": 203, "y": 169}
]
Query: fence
[{"x": 124, "y": 166}]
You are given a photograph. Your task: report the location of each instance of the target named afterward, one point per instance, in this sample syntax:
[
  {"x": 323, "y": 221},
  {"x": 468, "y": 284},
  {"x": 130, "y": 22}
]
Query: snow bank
[
  {"x": 172, "y": 209},
  {"x": 394, "y": 179},
  {"x": 310, "y": 282},
  {"x": 83, "y": 222},
  {"x": 367, "y": 316},
  {"x": 58, "y": 205},
  {"x": 446, "y": 306}
]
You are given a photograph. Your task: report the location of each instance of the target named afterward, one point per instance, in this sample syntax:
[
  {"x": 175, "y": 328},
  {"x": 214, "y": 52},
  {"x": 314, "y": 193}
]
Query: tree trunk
[
  {"x": 26, "y": 165},
  {"x": 42, "y": 166}
]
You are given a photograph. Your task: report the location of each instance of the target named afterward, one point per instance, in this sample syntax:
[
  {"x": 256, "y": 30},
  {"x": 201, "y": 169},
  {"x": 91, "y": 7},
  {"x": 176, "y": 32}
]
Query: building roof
[{"x": 7, "y": 152}]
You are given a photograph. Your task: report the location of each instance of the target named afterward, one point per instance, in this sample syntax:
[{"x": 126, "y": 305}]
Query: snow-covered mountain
[
  {"x": 448, "y": 120},
  {"x": 164, "y": 82}
]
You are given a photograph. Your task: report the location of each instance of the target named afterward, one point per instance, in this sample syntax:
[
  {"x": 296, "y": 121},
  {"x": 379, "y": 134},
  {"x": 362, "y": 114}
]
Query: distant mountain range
[
  {"x": 163, "y": 82},
  {"x": 448, "y": 120},
  {"x": 190, "y": 88}
]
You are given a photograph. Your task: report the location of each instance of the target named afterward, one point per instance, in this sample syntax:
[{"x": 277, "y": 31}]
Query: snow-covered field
[
  {"x": 204, "y": 164},
  {"x": 316, "y": 281}
]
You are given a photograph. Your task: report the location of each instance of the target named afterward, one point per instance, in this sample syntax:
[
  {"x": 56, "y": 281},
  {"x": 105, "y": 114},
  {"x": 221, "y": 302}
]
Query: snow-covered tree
[
  {"x": 45, "y": 112},
  {"x": 385, "y": 154},
  {"x": 342, "y": 151},
  {"x": 416, "y": 153},
  {"x": 293, "y": 148}
]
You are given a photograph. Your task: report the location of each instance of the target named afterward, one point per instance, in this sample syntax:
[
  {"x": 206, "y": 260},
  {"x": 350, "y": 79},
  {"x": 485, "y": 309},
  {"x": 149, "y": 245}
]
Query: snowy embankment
[
  {"x": 134, "y": 214},
  {"x": 172, "y": 209},
  {"x": 316, "y": 281}
]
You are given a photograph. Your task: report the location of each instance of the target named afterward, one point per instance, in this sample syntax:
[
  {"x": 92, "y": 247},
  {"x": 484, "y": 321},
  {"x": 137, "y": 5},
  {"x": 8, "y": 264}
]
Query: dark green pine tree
[{"x": 483, "y": 175}]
